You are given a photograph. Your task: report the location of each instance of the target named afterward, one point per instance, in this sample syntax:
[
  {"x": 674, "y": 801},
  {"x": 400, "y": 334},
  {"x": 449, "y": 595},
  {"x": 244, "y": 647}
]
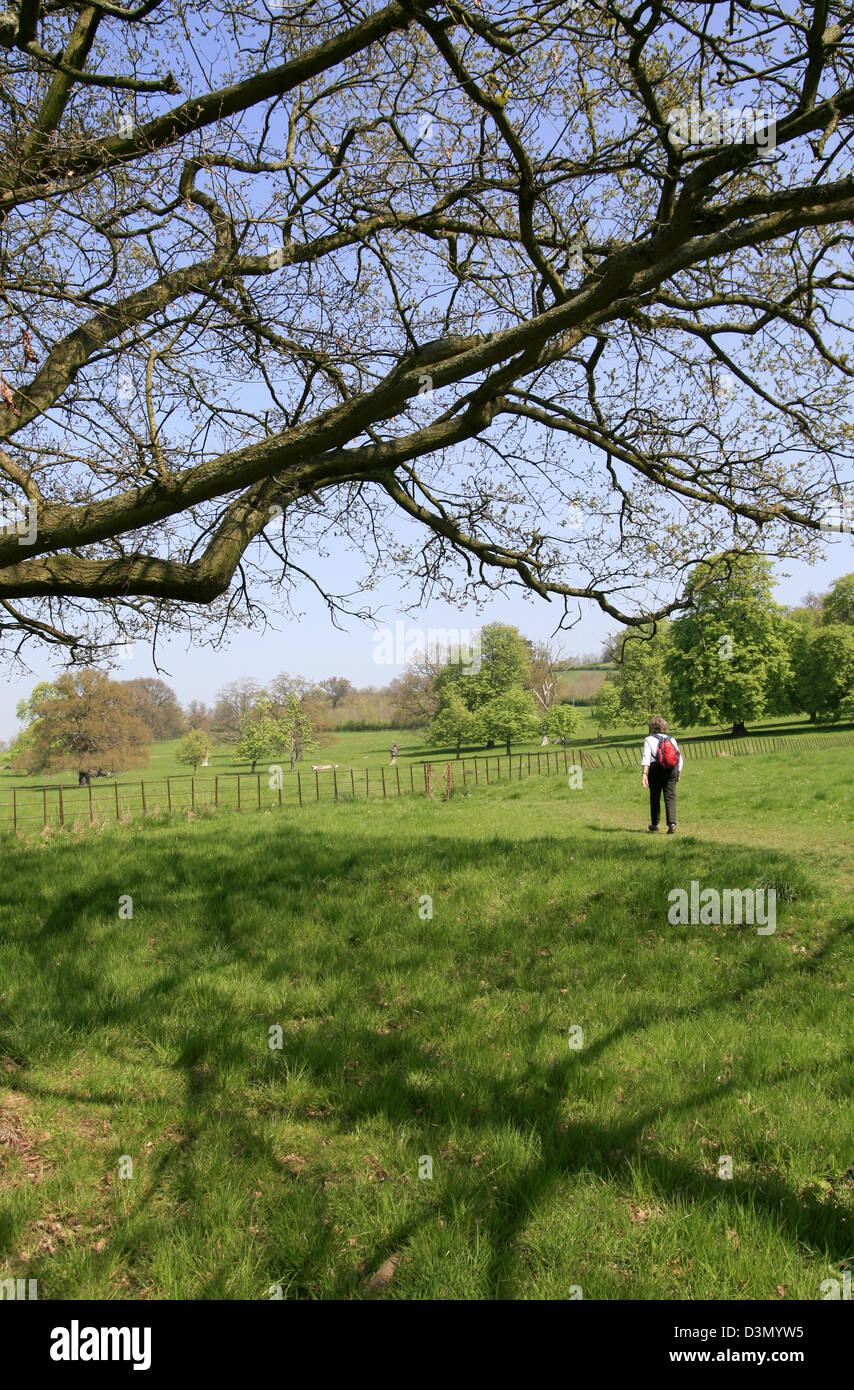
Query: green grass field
[
  {"x": 452, "y": 1038},
  {"x": 35, "y": 805}
]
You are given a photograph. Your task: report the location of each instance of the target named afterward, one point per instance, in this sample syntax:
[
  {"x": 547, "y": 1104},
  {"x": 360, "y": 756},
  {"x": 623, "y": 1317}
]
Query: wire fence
[{"x": 34, "y": 807}]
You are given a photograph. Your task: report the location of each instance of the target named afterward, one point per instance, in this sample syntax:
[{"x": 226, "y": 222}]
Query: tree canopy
[
  {"x": 728, "y": 658},
  {"x": 278, "y": 280},
  {"x": 88, "y": 722}
]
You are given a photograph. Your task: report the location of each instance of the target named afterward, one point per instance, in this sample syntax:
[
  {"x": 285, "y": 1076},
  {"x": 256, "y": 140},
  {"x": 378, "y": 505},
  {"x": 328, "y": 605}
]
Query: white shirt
[{"x": 650, "y": 748}]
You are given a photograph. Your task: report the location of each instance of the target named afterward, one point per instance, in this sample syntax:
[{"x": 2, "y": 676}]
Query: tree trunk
[
  {"x": 738, "y": 730},
  {"x": 254, "y": 760},
  {"x": 490, "y": 743},
  {"x": 813, "y": 716}
]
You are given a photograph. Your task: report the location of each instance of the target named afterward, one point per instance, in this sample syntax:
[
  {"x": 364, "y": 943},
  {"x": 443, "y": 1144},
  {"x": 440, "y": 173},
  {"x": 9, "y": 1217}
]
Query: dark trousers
[{"x": 662, "y": 780}]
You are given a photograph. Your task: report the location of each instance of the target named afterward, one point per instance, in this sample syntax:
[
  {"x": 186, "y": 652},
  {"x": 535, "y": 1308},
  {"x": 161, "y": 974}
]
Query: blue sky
[{"x": 312, "y": 647}]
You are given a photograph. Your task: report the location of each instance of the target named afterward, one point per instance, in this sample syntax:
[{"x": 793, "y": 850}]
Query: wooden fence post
[
  {"x": 169, "y": 792},
  {"x": 397, "y": 771},
  {"x": 317, "y": 786},
  {"x": 44, "y": 808},
  {"x": 216, "y": 791},
  {"x": 476, "y": 779},
  {"x": 353, "y": 783},
  {"x": 238, "y": 791},
  {"x": 258, "y": 775},
  {"x": 116, "y": 789},
  {"x": 412, "y": 777},
  {"x": 14, "y": 810},
  {"x": 334, "y": 784},
  {"x": 299, "y": 787},
  {"x": 382, "y": 772},
  {"x": 61, "y": 808},
  {"x": 367, "y": 784},
  {"x": 91, "y": 811},
  {"x": 192, "y": 793},
  {"x": 142, "y": 789}
]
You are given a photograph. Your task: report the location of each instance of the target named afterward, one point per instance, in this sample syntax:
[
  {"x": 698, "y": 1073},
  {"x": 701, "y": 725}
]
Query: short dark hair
[{"x": 658, "y": 725}]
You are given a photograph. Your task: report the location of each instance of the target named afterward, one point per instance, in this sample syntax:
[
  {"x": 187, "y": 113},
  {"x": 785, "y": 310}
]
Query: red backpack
[{"x": 667, "y": 755}]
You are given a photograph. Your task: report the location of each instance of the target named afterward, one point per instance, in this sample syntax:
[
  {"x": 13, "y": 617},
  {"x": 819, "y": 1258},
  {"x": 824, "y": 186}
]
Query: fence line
[{"x": 61, "y": 805}]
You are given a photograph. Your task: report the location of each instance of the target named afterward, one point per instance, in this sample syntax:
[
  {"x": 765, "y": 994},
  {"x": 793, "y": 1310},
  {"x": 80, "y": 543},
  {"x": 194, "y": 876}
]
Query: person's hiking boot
[
  {"x": 652, "y": 827},
  {"x": 671, "y": 829}
]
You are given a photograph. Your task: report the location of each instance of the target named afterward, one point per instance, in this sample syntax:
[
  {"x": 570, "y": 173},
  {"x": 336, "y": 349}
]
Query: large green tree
[
  {"x": 562, "y": 723},
  {"x": 155, "y": 703},
  {"x": 824, "y": 670},
  {"x": 497, "y": 661},
  {"x": 511, "y": 716},
  {"x": 607, "y": 707},
  {"x": 838, "y": 606},
  {"x": 642, "y": 677},
  {"x": 88, "y": 723},
  {"x": 391, "y": 280},
  {"x": 193, "y": 748},
  {"x": 455, "y": 723},
  {"x": 268, "y": 731},
  {"x": 728, "y": 655}
]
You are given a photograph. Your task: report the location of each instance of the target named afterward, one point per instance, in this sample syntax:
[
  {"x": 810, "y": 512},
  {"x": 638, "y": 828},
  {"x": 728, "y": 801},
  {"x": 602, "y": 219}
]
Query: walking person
[{"x": 661, "y": 770}]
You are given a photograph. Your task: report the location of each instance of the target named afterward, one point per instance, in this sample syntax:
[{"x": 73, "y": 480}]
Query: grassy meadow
[{"x": 561, "y": 1160}]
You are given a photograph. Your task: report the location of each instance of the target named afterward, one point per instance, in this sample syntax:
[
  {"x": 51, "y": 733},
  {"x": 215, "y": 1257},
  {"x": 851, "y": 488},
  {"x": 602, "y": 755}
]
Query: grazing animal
[{"x": 323, "y": 767}]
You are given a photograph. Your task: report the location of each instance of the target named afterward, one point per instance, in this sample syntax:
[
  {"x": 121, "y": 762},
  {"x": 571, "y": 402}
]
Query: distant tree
[
  {"x": 234, "y": 702},
  {"x": 546, "y": 660},
  {"x": 502, "y": 664},
  {"x": 728, "y": 655},
  {"x": 266, "y": 733},
  {"x": 193, "y": 749},
  {"x": 336, "y": 687},
  {"x": 815, "y": 602},
  {"x": 455, "y": 723},
  {"x": 317, "y": 711},
  {"x": 27, "y": 710},
  {"x": 824, "y": 670},
  {"x": 87, "y": 724},
  {"x": 838, "y": 604},
  {"x": 641, "y": 674},
  {"x": 155, "y": 703},
  {"x": 296, "y": 729},
  {"x": 261, "y": 735},
  {"x": 510, "y": 716},
  {"x": 607, "y": 710},
  {"x": 199, "y": 716},
  {"x": 562, "y": 723},
  {"x": 283, "y": 685},
  {"x": 414, "y": 696},
  {"x": 804, "y": 614}
]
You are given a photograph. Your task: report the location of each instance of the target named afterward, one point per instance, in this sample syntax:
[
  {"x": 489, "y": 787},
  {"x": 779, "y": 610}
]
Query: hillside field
[{"x": 529, "y": 1093}]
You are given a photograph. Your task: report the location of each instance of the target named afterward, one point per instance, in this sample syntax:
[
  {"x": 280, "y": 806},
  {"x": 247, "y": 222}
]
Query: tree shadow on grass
[{"x": 228, "y": 1035}]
